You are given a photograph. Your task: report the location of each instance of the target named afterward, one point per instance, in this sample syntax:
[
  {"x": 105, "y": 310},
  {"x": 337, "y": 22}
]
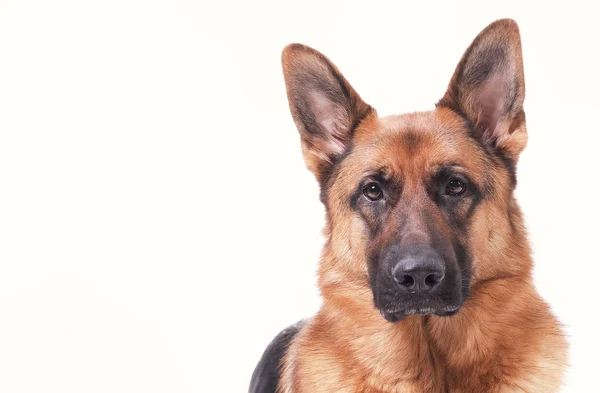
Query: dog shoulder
[
  {"x": 543, "y": 349},
  {"x": 266, "y": 375}
]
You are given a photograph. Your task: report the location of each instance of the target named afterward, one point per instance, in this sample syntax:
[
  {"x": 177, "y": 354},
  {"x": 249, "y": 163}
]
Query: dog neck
[{"x": 491, "y": 332}]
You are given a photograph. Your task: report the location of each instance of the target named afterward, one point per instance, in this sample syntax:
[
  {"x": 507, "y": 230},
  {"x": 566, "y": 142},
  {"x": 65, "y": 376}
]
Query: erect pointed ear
[
  {"x": 488, "y": 88},
  {"x": 325, "y": 108}
]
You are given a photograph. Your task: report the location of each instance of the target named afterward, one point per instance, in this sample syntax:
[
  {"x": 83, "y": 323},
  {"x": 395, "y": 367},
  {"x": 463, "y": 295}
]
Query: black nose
[{"x": 419, "y": 272}]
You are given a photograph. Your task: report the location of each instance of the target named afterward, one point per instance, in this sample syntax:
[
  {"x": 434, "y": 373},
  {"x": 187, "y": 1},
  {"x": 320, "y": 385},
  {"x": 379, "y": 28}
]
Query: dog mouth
[{"x": 396, "y": 315}]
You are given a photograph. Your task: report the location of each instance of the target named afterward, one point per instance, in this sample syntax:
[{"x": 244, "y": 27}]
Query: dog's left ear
[{"x": 488, "y": 88}]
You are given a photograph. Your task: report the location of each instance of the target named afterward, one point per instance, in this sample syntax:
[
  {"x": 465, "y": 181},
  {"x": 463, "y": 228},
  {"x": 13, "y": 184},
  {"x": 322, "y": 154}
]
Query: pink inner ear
[
  {"x": 332, "y": 121},
  {"x": 490, "y": 101}
]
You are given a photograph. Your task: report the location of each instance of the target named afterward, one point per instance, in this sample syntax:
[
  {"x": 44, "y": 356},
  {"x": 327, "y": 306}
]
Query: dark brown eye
[
  {"x": 455, "y": 187},
  {"x": 373, "y": 191}
]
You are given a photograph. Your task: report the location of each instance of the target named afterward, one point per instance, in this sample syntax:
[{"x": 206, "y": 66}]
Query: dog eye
[
  {"x": 373, "y": 191},
  {"x": 455, "y": 187}
]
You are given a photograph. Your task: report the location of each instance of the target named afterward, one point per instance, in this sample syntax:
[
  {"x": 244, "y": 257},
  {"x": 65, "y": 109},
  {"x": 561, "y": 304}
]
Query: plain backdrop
[{"x": 157, "y": 224}]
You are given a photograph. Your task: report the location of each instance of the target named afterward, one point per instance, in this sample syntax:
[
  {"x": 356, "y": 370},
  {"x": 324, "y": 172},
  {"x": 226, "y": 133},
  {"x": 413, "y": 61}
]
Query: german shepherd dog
[{"x": 426, "y": 274}]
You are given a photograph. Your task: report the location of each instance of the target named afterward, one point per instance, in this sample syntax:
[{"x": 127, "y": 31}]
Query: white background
[{"x": 157, "y": 225}]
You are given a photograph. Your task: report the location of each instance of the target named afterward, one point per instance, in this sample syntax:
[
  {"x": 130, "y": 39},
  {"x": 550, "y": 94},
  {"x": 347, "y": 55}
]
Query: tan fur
[{"x": 504, "y": 338}]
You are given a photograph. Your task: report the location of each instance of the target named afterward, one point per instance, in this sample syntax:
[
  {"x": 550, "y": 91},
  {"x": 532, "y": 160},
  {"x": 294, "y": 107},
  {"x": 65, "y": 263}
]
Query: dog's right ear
[{"x": 325, "y": 108}]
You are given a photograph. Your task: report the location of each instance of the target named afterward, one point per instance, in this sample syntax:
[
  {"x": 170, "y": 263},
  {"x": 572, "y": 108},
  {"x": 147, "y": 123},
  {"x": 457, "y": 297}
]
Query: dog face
[{"x": 416, "y": 202}]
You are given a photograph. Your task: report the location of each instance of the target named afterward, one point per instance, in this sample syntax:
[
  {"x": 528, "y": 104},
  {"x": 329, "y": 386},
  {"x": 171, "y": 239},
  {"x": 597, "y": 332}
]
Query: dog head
[{"x": 417, "y": 204}]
